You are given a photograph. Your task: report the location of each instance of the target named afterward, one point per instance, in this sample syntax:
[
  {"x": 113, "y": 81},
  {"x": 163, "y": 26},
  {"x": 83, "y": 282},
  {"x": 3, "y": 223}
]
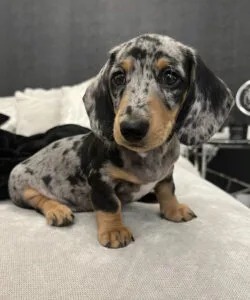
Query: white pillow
[
  {"x": 39, "y": 110},
  {"x": 73, "y": 110},
  {"x": 37, "y": 115}
]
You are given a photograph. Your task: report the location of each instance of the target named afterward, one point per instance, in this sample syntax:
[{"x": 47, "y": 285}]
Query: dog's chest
[
  {"x": 128, "y": 192},
  {"x": 143, "y": 190},
  {"x": 149, "y": 169}
]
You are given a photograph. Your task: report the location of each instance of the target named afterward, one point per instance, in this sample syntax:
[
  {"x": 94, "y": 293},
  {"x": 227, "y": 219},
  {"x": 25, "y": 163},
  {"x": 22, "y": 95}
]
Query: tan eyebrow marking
[
  {"x": 162, "y": 63},
  {"x": 127, "y": 64}
]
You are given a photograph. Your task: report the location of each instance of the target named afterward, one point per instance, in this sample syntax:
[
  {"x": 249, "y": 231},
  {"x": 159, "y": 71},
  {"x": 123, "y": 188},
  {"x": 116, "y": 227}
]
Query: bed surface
[{"x": 208, "y": 258}]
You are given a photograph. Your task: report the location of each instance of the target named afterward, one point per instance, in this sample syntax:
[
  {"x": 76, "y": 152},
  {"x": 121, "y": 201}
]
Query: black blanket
[{"x": 16, "y": 148}]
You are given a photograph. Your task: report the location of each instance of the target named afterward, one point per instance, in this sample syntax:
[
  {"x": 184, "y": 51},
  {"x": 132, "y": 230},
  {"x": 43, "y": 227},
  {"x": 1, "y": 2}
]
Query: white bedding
[{"x": 44, "y": 109}]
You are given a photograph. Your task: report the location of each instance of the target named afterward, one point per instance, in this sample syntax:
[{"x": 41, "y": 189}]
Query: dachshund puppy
[{"x": 152, "y": 94}]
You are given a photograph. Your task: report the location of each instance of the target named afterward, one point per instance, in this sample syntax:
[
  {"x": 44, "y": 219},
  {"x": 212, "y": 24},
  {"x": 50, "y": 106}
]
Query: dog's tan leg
[
  {"x": 170, "y": 208},
  {"x": 56, "y": 214},
  {"x": 111, "y": 231}
]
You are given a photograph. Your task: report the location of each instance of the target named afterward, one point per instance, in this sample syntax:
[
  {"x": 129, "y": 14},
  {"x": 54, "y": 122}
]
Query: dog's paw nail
[
  {"x": 162, "y": 215},
  {"x": 132, "y": 238},
  {"x": 193, "y": 215},
  {"x": 108, "y": 245},
  {"x": 114, "y": 239}
]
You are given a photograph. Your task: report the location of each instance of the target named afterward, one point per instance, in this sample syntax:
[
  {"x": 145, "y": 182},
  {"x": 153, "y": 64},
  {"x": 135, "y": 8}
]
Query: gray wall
[{"x": 54, "y": 42}]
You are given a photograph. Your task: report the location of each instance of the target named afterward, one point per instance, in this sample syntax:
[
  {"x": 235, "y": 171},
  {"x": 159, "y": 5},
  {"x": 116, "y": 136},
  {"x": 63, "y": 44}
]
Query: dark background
[{"x": 51, "y": 43}]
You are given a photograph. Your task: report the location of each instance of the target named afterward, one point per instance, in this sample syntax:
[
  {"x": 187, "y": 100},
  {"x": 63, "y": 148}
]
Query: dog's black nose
[{"x": 134, "y": 131}]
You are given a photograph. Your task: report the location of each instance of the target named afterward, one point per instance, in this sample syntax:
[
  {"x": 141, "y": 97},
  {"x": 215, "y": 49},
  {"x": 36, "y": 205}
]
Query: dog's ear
[
  {"x": 98, "y": 102},
  {"x": 207, "y": 104}
]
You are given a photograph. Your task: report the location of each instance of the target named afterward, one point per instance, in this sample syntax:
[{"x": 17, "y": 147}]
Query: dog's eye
[
  {"x": 169, "y": 78},
  {"x": 119, "y": 78}
]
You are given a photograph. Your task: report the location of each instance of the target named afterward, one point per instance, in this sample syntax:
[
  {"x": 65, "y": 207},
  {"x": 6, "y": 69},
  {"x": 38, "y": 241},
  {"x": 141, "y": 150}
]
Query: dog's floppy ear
[
  {"x": 206, "y": 106},
  {"x": 98, "y": 103}
]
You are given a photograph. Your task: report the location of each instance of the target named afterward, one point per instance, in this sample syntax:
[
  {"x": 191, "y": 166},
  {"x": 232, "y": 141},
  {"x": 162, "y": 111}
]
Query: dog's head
[{"x": 151, "y": 87}]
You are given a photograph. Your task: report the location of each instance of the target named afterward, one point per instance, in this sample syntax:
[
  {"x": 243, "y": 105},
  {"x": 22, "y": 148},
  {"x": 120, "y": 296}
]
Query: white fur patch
[{"x": 144, "y": 190}]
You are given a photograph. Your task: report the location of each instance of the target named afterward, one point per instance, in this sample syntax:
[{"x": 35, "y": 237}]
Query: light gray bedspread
[{"x": 207, "y": 258}]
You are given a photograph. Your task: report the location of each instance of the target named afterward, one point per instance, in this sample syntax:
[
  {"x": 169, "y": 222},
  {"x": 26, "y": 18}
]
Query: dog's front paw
[
  {"x": 59, "y": 215},
  {"x": 180, "y": 213},
  {"x": 117, "y": 238}
]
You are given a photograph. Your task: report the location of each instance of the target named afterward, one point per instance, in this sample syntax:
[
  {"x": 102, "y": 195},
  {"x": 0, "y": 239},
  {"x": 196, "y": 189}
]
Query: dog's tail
[{"x": 17, "y": 148}]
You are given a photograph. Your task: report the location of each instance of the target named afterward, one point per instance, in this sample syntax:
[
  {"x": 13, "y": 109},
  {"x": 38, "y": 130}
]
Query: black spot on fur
[
  {"x": 75, "y": 145},
  {"x": 138, "y": 53},
  {"x": 29, "y": 171},
  {"x": 145, "y": 90},
  {"x": 46, "y": 179},
  {"x": 65, "y": 152},
  {"x": 56, "y": 144},
  {"x": 159, "y": 54},
  {"x": 76, "y": 179},
  {"x": 192, "y": 141},
  {"x": 128, "y": 44},
  {"x": 129, "y": 110},
  {"x": 195, "y": 111},
  {"x": 184, "y": 138},
  {"x": 140, "y": 105},
  {"x": 72, "y": 179},
  {"x": 189, "y": 121},
  {"x": 151, "y": 39}
]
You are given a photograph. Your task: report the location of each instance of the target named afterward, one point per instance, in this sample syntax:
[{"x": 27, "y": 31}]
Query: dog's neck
[
  {"x": 150, "y": 166},
  {"x": 154, "y": 164}
]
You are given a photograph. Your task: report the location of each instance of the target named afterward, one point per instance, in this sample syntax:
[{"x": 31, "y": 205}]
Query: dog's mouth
[
  {"x": 134, "y": 146},
  {"x": 149, "y": 142}
]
